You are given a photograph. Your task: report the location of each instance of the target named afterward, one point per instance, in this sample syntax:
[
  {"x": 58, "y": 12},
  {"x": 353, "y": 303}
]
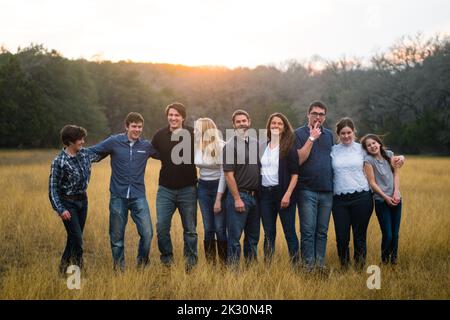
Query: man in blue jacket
[{"x": 129, "y": 154}]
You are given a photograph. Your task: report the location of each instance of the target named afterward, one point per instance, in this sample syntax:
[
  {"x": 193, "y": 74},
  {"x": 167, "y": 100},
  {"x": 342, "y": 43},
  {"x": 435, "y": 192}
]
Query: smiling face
[
  {"x": 372, "y": 146},
  {"x": 346, "y": 135},
  {"x": 175, "y": 119},
  {"x": 241, "y": 123},
  {"x": 134, "y": 130},
  {"x": 77, "y": 145},
  {"x": 276, "y": 126},
  {"x": 316, "y": 115}
]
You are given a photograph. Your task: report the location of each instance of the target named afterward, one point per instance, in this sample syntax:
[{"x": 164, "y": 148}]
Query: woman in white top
[
  {"x": 279, "y": 175},
  {"x": 352, "y": 200},
  {"x": 211, "y": 186}
]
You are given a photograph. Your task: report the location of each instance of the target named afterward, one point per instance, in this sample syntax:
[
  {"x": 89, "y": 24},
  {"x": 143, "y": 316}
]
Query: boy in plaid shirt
[{"x": 69, "y": 178}]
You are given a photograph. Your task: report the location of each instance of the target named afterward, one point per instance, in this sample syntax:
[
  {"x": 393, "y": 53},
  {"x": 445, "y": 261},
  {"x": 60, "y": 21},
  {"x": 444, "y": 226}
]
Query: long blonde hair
[{"x": 208, "y": 139}]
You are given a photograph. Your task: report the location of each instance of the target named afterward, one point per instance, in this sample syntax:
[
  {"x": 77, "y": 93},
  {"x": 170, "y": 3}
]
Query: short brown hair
[
  {"x": 345, "y": 122},
  {"x": 239, "y": 112},
  {"x": 318, "y": 104},
  {"x": 71, "y": 133},
  {"x": 134, "y": 117},
  {"x": 177, "y": 106}
]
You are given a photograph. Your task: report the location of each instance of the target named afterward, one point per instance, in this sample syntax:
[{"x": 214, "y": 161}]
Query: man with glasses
[{"x": 315, "y": 186}]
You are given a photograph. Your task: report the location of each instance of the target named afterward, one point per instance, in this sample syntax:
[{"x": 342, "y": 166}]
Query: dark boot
[
  {"x": 210, "y": 251},
  {"x": 222, "y": 251}
]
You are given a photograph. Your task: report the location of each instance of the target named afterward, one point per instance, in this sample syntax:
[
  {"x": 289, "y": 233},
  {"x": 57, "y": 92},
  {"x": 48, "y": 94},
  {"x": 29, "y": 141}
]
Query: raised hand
[{"x": 315, "y": 131}]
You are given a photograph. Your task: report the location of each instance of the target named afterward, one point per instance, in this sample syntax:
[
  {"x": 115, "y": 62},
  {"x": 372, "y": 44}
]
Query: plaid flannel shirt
[{"x": 70, "y": 176}]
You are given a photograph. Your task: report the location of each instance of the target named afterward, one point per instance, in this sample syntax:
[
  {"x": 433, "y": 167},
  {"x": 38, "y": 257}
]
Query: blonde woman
[{"x": 211, "y": 186}]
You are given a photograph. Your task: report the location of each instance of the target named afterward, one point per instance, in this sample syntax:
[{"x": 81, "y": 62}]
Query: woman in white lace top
[{"x": 352, "y": 200}]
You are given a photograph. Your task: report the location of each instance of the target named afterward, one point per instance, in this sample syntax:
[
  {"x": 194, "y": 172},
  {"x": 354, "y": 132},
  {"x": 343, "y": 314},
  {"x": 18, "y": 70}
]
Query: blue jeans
[
  {"x": 314, "y": 211},
  {"x": 213, "y": 223},
  {"x": 167, "y": 201},
  {"x": 73, "y": 252},
  {"x": 118, "y": 218},
  {"x": 270, "y": 208},
  {"x": 238, "y": 222},
  {"x": 352, "y": 211},
  {"x": 389, "y": 219}
]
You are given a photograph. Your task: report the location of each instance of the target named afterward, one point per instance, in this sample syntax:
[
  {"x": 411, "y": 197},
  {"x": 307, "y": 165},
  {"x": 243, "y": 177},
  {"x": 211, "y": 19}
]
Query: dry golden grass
[{"x": 32, "y": 238}]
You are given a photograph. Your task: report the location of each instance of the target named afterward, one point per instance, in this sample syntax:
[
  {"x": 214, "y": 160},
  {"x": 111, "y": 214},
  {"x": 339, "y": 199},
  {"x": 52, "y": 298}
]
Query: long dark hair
[
  {"x": 382, "y": 147},
  {"x": 287, "y": 137}
]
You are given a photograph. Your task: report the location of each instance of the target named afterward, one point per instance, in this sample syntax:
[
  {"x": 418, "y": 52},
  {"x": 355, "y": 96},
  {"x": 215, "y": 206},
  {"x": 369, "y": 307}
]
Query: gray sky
[{"x": 217, "y": 32}]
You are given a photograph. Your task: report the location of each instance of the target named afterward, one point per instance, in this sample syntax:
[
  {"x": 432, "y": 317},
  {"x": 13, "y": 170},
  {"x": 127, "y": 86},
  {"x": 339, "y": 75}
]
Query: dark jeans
[
  {"x": 352, "y": 211},
  {"x": 270, "y": 209},
  {"x": 247, "y": 222},
  {"x": 73, "y": 253},
  {"x": 118, "y": 218},
  {"x": 167, "y": 201},
  {"x": 213, "y": 223},
  {"x": 389, "y": 219}
]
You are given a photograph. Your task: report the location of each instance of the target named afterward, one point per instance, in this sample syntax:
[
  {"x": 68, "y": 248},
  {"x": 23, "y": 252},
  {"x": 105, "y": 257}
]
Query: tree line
[{"x": 402, "y": 93}]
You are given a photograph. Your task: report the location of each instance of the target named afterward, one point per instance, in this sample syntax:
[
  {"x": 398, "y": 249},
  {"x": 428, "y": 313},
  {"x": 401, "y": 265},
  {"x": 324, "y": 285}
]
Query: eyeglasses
[{"x": 316, "y": 114}]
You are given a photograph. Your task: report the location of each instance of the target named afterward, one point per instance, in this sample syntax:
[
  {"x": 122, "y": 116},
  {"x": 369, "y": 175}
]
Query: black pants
[
  {"x": 352, "y": 211},
  {"x": 73, "y": 253}
]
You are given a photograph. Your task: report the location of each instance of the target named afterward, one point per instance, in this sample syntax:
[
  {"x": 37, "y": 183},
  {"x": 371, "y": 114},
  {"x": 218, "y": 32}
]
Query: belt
[
  {"x": 271, "y": 188},
  {"x": 250, "y": 192},
  {"x": 77, "y": 197}
]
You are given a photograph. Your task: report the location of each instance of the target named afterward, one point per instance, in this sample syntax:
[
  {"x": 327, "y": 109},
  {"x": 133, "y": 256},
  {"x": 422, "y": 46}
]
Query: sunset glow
[{"x": 230, "y": 33}]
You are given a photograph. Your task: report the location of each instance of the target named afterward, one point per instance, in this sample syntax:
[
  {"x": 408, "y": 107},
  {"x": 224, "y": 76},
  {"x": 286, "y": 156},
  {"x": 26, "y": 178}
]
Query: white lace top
[{"x": 348, "y": 168}]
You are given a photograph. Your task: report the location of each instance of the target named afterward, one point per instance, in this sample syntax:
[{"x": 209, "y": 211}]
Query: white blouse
[
  {"x": 348, "y": 168},
  {"x": 269, "y": 166}
]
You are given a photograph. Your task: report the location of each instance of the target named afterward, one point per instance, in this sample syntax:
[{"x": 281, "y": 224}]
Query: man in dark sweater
[{"x": 177, "y": 185}]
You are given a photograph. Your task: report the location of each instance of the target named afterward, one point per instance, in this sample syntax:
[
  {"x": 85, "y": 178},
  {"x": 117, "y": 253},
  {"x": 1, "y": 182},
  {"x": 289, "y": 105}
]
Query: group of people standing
[{"x": 242, "y": 182}]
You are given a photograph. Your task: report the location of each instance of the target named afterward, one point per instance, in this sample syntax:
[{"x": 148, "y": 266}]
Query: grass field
[{"x": 32, "y": 238}]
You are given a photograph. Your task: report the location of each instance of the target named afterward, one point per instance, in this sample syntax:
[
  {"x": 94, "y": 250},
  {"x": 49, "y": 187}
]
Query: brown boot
[
  {"x": 210, "y": 251},
  {"x": 222, "y": 251}
]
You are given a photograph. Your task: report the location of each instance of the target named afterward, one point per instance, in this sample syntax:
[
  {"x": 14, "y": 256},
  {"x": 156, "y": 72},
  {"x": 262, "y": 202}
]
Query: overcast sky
[{"x": 217, "y": 32}]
